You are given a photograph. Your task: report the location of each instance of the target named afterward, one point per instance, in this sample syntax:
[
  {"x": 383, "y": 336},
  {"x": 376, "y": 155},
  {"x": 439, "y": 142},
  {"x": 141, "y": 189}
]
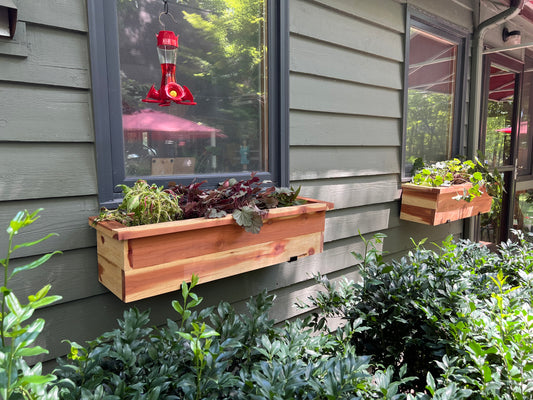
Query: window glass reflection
[
  {"x": 431, "y": 92},
  {"x": 222, "y": 60}
]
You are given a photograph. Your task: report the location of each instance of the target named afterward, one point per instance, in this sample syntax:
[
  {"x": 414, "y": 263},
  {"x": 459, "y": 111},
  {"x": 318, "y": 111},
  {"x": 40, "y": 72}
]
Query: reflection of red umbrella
[
  {"x": 162, "y": 126},
  {"x": 523, "y": 129}
]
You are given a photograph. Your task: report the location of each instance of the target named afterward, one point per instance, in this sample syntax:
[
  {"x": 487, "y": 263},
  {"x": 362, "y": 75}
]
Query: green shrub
[
  {"x": 458, "y": 319},
  {"x": 218, "y": 354}
]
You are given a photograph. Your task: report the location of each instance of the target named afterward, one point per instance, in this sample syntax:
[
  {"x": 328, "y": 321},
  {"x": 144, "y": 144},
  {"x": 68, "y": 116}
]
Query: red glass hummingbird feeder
[{"x": 167, "y": 49}]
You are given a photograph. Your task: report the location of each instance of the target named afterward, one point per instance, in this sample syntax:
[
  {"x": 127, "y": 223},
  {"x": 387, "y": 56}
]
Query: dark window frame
[
  {"x": 107, "y": 109},
  {"x": 444, "y": 29}
]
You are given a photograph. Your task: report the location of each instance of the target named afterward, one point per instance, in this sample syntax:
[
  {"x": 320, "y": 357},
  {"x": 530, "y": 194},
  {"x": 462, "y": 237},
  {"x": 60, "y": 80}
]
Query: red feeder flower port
[{"x": 167, "y": 49}]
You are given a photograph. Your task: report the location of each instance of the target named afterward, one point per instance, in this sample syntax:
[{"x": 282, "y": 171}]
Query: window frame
[
  {"x": 107, "y": 107},
  {"x": 448, "y": 31}
]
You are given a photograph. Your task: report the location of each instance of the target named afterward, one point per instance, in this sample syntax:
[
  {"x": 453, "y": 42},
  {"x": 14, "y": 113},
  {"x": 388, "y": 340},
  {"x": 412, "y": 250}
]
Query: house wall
[{"x": 346, "y": 66}]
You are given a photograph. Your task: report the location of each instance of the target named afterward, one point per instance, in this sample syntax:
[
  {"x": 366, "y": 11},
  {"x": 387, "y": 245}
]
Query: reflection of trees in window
[
  {"x": 429, "y": 125},
  {"x": 221, "y": 58},
  {"x": 498, "y": 135}
]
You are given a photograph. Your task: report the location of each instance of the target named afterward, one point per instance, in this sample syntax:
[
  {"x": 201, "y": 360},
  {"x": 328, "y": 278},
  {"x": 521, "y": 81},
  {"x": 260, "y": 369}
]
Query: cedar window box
[
  {"x": 143, "y": 261},
  {"x": 436, "y": 205}
]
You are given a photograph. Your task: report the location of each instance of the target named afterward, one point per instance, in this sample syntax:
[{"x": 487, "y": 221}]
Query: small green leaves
[
  {"x": 455, "y": 171},
  {"x": 21, "y": 220},
  {"x": 18, "y": 336},
  {"x": 34, "y": 264}
]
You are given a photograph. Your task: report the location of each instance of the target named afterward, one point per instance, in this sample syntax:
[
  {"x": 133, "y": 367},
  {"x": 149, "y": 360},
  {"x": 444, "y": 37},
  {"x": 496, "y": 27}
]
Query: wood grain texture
[
  {"x": 328, "y": 95},
  {"x": 353, "y": 191},
  {"x": 72, "y": 274},
  {"x": 69, "y": 106},
  {"x": 342, "y": 224},
  {"x": 65, "y": 216},
  {"x": 66, "y": 14},
  {"x": 147, "y": 282},
  {"x": 385, "y": 13},
  {"x": 323, "y": 59},
  {"x": 134, "y": 266},
  {"x": 326, "y": 24},
  {"x": 55, "y": 57},
  {"x": 342, "y": 162},
  {"x": 31, "y": 171},
  {"x": 331, "y": 129},
  {"x": 437, "y": 205},
  {"x": 16, "y": 46}
]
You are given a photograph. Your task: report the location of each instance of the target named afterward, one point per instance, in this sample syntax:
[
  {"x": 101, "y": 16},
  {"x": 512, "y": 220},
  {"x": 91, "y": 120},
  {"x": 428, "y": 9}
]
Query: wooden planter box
[
  {"x": 436, "y": 205},
  {"x": 143, "y": 261}
]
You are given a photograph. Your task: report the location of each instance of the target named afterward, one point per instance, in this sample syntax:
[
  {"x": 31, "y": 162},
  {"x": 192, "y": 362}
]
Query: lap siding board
[
  {"x": 436, "y": 205},
  {"x": 148, "y": 260}
]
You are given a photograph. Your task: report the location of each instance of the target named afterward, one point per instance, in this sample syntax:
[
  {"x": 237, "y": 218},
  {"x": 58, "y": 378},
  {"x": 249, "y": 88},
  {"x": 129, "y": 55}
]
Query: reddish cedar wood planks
[
  {"x": 144, "y": 261},
  {"x": 436, "y": 205}
]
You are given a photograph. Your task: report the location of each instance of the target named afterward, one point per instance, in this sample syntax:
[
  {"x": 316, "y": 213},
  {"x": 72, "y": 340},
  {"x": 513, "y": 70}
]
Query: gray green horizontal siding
[{"x": 346, "y": 94}]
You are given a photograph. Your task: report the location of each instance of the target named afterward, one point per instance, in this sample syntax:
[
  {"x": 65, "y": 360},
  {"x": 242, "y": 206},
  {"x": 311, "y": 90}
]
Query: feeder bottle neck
[{"x": 167, "y": 47}]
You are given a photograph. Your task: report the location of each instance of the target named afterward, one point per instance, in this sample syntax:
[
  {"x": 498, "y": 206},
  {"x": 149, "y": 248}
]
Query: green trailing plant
[
  {"x": 456, "y": 171},
  {"x": 18, "y": 332}
]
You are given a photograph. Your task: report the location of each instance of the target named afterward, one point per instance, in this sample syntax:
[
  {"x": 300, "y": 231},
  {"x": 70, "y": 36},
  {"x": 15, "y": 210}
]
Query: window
[
  {"x": 525, "y": 135},
  {"x": 232, "y": 56},
  {"x": 434, "y": 77}
]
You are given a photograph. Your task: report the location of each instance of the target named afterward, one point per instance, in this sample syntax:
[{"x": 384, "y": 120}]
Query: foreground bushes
[
  {"x": 449, "y": 323},
  {"x": 236, "y": 356},
  {"x": 458, "y": 319}
]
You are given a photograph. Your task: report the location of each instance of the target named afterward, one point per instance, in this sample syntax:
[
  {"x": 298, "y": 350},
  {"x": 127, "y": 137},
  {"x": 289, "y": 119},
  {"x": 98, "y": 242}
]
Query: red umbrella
[
  {"x": 523, "y": 128},
  {"x": 163, "y": 126}
]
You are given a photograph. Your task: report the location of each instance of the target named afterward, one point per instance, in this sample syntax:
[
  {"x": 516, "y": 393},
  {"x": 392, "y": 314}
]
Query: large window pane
[
  {"x": 222, "y": 60},
  {"x": 431, "y": 98},
  {"x": 499, "y": 116}
]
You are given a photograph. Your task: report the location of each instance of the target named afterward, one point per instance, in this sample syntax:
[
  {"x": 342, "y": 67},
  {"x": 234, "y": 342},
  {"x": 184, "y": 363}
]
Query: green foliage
[
  {"x": 455, "y": 171},
  {"x": 429, "y": 119},
  {"x": 232, "y": 28},
  {"x": 458, "y": 318},
  {"x": 18, "y": 333},
  {"x": 246, "y": 200},
  {"x": 144, "y": 204},
  {"x": 217, "y": 353},
  {"x": 455, "y": 322}
]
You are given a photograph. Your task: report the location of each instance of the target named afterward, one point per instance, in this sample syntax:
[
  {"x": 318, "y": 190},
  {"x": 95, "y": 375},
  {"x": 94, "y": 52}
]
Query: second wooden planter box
[
  {"x": 143, "y": 261},
  {"x": 436, "y": 205}
]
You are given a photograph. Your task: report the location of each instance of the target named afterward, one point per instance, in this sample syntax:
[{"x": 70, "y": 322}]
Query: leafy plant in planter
[
  {"x": 455, "y": 172},
  {"x": 144, "y": 204},
  {"x": 245, "y": 200},
  {"x": 450, "y": 190},
  {"x": 158, "y": 237}
]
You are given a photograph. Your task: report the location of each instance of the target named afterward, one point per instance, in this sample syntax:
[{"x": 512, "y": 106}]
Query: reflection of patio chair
[
  {"x": 173, "y": 166},
  {"x": 138, "y": 159}
]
